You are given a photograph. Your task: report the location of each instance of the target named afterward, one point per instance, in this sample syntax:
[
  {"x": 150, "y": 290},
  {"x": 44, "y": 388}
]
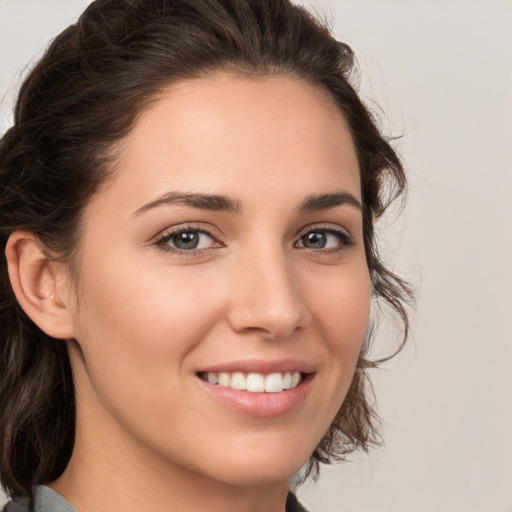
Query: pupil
[
  {"x": 186, "y": 240},
  {"x": 315, "y": 240}
]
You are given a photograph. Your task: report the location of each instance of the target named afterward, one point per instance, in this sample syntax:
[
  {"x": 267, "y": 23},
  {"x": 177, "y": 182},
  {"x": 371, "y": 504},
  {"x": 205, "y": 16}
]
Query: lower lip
[{"x": 259, "y": 405}]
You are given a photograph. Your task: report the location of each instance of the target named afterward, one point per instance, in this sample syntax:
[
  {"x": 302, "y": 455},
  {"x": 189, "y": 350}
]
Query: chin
[
  {"x": 272, "y": 474},
  {"x": 265, "y": 468}
]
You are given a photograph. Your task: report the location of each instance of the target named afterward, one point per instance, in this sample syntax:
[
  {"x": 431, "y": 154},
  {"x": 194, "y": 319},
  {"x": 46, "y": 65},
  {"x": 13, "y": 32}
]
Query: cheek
[
  {"x": 342, "y": 308},
  {"x": 137, "y": 331},
  {"x": 139, "y": 326},
  {"x": 342, "y": 314}
]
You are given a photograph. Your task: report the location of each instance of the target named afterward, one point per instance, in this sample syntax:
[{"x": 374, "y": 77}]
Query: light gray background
[{"x": 442, "y": 72}]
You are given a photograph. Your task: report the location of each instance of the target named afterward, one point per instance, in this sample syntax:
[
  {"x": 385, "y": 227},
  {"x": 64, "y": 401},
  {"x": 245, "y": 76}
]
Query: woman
[{"x": 188, "y": 198}]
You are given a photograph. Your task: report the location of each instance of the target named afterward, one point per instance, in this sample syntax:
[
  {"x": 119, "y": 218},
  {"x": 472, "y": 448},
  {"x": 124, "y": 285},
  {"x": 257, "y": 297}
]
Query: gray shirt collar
[{"x": 47, "y": 500}]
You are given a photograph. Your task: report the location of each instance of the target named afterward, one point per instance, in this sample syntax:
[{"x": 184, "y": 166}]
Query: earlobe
[{"x": 38, "y": 285}]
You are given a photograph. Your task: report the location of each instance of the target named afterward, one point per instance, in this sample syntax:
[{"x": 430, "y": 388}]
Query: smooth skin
[{"x": 266, "y": 280}]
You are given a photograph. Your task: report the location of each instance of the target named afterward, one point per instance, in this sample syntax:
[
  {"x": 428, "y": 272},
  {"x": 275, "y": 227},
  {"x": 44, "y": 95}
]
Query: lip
[
  {"x": 263, "y": 366},
  {"x": 260, "y": 405}
]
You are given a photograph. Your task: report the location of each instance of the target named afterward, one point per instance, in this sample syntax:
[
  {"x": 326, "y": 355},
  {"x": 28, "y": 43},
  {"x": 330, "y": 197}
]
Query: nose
[{"x": 266, "y": 298}]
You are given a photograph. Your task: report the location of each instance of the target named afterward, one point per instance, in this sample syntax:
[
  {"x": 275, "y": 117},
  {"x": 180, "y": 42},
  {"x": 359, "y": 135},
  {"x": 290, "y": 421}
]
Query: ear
[{"x": 40, "y": 285}]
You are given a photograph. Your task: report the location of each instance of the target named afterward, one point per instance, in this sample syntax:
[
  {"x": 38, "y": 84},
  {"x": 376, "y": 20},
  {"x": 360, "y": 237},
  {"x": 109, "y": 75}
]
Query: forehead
[{"x": 230, "y": 135}]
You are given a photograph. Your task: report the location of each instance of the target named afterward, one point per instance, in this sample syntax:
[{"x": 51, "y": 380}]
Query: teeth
[
  {"x": 223, "y": 379},
  {"x": 274, "y": 383},
  {"x": 213, "y": 378},
  {"x": 237, "y": 381},
  {"x": 255, "y": 382}
]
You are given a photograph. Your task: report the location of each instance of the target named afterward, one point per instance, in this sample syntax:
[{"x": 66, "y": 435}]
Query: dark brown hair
[{"x": 84, "y": 95}]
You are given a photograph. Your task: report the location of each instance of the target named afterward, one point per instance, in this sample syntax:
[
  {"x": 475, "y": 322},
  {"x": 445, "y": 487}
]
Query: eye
[
  {"x": 187, "y": 239},
  {"x": 323, "y": 238}
]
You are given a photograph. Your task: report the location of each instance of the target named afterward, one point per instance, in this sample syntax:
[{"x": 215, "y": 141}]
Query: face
[{"x": 223, "y": 286}]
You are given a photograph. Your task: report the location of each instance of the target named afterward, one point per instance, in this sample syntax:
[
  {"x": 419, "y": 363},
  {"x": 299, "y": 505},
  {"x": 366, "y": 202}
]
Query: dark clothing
[
  {"x": 293, "y": 505},
  {"x": 47, "y": 500},
  {"x": 17, "y": 505}
]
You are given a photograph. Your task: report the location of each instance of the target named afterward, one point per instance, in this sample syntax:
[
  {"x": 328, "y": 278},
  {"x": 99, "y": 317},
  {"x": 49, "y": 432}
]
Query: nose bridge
[{"x": 267, "y": 297}]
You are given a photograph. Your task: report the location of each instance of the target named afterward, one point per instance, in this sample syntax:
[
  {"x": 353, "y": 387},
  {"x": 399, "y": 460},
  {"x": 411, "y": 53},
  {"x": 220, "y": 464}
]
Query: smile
[
  {"x": 259, "y": 388},
  {"x": 254, "y": 382}
]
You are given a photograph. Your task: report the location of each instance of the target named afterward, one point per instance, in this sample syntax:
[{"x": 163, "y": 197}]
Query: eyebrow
[
  {"x": 311, "y": 203},
  {"x": 316, "y": 202},
  {"x": 196, "y": 200}
]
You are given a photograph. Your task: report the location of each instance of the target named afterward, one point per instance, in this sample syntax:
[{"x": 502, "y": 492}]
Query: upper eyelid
[
  {"x": 324, "y": 227},
  {"x": 192, "y": 226}
]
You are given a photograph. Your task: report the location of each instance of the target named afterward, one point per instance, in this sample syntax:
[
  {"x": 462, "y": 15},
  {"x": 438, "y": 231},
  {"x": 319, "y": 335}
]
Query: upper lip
[{"x": 264, "y": 366}]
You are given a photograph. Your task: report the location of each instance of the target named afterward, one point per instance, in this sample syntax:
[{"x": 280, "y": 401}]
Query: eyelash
[
  {"x": 162, "y": 241},
  {"x": 344, "y": 238}
]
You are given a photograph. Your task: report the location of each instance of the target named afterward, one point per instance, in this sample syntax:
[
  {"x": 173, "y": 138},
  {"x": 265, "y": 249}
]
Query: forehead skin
[{"x": 209, "y": 117}]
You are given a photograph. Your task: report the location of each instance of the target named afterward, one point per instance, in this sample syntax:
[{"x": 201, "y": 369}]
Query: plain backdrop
[{"x": 438, "y": 73}]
